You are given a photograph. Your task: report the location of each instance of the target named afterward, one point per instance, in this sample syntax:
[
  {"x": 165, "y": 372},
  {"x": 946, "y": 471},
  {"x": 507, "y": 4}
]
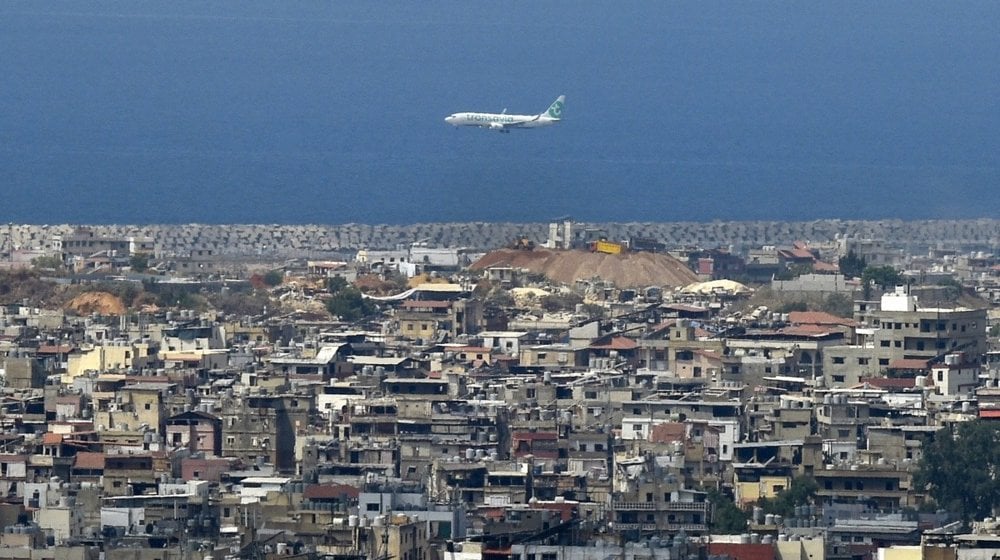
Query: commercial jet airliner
[{"x": 502, "y": 122}]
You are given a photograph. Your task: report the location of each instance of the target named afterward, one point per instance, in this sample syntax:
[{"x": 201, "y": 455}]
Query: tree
[
  {"x": 254, "y": 302},
  {"x": 800, "y": 492},
  {"x": 350, "y": 305},
  {"x": 883, "y": 276},
  {"x": 336, "y": 284},
  {"x": 790, "y": 306},
  {"x": 347, "y": 302},
  {"x": 48, "y": 262},
  {"x": 958, "y": 469},
  {"x": 839, "y": 305},
  {"x": 727, "y": 518},
  {"x": 273, "y": 278},
  {"x": 139, "y": 262},
  {"x": 851, "y": 265}
]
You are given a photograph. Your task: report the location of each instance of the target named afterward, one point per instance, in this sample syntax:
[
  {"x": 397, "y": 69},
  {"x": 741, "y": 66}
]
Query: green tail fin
[{"x": 555, "y": 110}]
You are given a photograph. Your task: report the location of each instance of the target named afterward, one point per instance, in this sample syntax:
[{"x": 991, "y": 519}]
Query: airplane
[{"x": 502, "y": 122}]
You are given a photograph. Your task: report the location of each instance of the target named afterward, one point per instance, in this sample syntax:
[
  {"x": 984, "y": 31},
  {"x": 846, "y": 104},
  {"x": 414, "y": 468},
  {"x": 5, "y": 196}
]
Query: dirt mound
[
  {"x": 101, "y": 303},
  {"x": 627, "y": 270}
]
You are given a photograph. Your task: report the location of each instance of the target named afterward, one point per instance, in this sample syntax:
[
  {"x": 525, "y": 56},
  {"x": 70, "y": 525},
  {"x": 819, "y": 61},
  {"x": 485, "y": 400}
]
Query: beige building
[
  {"x": 105, "y": 357},
  {"x": 904, "y": 329}
]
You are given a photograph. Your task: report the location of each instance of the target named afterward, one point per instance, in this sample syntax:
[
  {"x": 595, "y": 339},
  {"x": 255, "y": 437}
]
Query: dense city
[{"x": 538, "y": 392}]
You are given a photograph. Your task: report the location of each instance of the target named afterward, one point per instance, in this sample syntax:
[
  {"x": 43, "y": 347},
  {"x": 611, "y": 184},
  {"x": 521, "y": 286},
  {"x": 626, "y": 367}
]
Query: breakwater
[{"x": 241, "y": 240}]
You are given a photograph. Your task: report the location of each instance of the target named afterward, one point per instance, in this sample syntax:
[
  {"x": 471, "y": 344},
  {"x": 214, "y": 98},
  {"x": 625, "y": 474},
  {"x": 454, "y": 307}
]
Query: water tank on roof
[{"x": 352, "y": 521}]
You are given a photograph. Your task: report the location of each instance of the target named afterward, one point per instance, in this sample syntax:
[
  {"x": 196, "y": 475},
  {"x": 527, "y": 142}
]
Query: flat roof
[
  {"x": 502, "y": 334},
  {"x": 266, "y": 480},
  {"x": 377, "y": 360}
]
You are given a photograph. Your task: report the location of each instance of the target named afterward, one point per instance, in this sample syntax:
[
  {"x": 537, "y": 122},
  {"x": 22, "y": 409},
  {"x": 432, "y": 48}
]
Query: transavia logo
[{"x": 555, "y": 111}]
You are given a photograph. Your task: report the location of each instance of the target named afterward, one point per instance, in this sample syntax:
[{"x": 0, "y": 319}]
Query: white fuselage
[{"x": 499, "y": 121}]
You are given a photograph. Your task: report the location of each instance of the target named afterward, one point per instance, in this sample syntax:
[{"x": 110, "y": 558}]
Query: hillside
[{"x": 627, "y": 270}]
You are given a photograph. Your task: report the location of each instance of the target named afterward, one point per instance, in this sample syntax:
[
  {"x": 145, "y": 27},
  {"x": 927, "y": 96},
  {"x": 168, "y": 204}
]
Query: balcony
[
  {"x": 659, "y": 506},
  {"x": 669, "y": 527}
]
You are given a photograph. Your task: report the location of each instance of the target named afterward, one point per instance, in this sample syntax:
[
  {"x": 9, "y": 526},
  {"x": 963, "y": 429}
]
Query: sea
[{"x": 331, "y": 111}]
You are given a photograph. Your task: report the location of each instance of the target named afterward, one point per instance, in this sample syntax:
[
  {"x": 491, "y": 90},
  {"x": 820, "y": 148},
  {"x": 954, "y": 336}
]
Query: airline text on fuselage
[{"x": 482, "y": 117}]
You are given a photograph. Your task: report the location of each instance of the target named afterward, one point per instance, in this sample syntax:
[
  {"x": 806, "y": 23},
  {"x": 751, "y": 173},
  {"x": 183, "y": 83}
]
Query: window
[
  {"x": 883, "y": 361},
  {"x": 542, "y": 355},
  {"x": 590, "y": 394},
  {"x": 371, "y": 507},
  {"x": 149, "y": 406},
  {"x": 884, "y": 344},
  {"x": 862, "y": 361},
  {"x": 838, "y": 359}
]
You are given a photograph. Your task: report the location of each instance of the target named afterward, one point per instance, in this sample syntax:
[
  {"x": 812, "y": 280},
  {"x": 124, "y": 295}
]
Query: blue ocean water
[{"x": 332, "y": 111}]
